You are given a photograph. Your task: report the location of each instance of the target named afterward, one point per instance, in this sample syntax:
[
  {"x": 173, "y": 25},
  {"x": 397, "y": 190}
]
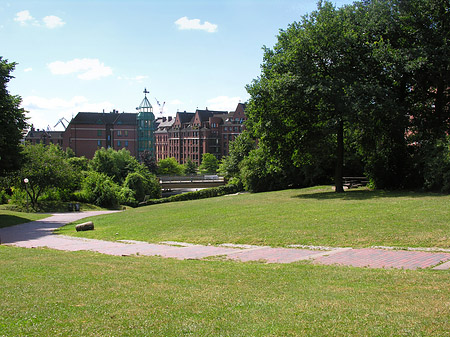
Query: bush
[
  {"x": 259, "y": 173},
  {"x": 3, "y": 197},
  {"x": 202, "y": 194},
  {"x": 127, "y": 197},
  {"x": 170, "y": 166},
  {"x": 100, "y": 190}
]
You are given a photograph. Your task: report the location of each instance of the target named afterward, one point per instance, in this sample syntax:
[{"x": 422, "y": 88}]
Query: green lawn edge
[{"x": 311, "y": 216}]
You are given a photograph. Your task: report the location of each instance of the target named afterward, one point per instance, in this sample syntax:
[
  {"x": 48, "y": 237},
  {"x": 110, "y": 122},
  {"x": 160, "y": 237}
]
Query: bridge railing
[{"x": 192, "y": 179}]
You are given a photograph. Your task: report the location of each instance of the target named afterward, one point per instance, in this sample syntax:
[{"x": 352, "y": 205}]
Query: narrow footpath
[{"x": 40, "y": 234}]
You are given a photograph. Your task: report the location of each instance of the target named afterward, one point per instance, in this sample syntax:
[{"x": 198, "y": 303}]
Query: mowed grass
[
  {"x": 52, "y": 293},
  {"x": 11, "y": 218},
  {"x": 313, "y": 216}
]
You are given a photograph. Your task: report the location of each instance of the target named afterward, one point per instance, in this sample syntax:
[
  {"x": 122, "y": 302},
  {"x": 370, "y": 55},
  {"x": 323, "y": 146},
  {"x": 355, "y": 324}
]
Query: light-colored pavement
[{"x": 40, "y": 234}]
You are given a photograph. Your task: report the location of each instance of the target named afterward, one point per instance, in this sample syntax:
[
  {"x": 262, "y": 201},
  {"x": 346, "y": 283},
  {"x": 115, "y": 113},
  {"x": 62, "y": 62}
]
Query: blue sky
[{"x": 95, "y": 55}]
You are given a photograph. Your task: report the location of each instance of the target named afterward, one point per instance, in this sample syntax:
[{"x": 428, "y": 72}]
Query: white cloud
[
  {"x": 52, "y": 21},
  {"x": 138, "y": 78},
  {"x": 24, "y": 17},
  {"x": 185, "y": 24},
  {"x": 45, "y": 112},
  {"x": 223, "y": 103},
  {"x": 28, "y": 69},
  {"x": 88, "y": 69}
]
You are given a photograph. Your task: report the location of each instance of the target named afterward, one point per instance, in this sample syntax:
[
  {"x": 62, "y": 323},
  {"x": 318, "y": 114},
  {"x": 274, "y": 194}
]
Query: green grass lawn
[
  {"x": 11, "y": 218},
  {"x": 52, "y": 293},
  {"x": 314, "y": 216}
]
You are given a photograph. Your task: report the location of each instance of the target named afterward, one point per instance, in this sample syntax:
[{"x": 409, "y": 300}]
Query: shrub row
[{"x": 201, "y": 194}]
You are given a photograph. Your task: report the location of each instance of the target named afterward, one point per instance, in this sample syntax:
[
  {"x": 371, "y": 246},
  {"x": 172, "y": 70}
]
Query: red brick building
[
  {"x": 187, "y": 136},
  {"x": 90, "y": 131},
  {"x": 191, "y": 134}
]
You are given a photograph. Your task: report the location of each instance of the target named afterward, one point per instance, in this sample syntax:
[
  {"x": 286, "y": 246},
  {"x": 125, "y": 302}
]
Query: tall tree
[
  {"x": 12, "y": 121},
  {"x": 303, "y": 100},
  {"x": 45, "y": 167}
]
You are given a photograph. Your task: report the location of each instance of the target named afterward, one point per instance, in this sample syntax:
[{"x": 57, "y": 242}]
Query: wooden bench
[{"x": 353, "y": 182}]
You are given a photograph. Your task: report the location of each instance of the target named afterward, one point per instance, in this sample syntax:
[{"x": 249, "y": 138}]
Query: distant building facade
[
  {"x": 191, "y": 134},
  {"x": 186, "y": 136},
  {"x": 44, "y": 137},
  {"x": 90, "y": 131}
]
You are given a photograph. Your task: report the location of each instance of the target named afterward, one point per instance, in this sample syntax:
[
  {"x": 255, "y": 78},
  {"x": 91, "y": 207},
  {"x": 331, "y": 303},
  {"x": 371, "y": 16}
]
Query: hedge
[{"x": 201, "y": 194}]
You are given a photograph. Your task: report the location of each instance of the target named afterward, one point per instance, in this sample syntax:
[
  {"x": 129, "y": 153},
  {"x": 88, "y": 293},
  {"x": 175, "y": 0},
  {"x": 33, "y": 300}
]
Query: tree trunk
[{"x": 338, "y": 182}]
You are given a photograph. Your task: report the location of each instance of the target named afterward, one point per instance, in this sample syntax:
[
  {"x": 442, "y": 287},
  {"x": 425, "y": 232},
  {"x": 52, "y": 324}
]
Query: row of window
[
  {"x": 119, "y": 143},
  {"x": 119, "y": 133}
]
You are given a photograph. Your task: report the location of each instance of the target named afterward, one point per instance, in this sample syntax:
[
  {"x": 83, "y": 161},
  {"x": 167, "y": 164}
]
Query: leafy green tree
[
  {"x": 239, "y": 149},
  {"x": 45, "y": 168},
  {"x": 12, "y": 121},
  {"x": 303, "y": 100},
  {"x": 170, "y": 166},
  {"x": 149, "y": 161},
  {"x": 261, "y": 173},
  {"x": 115, "y": 164},
  {"x": 143, "y": 185},
  {"x": 190, "y": 168},
  {"x": 209, "y": 164},
  {"x": 99, "y": 189}
]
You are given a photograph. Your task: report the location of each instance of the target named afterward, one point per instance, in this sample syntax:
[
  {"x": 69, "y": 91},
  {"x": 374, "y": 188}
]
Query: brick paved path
[{"x": 40, "y": 234}]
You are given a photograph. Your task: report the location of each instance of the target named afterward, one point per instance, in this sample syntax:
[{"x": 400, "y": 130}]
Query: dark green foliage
[
  {"x": 170, "y": 166},
  {"x": 142, "y": 185},
  {"x": 371, "y": 78},
  {"x": 12, "y": 122},
  {"x": 115, "y": 164},
  {"x": 239, "y": 149},
  {"x": 201, "y": 194},
  {"x": 46, "y": 169},
  {"x": 149, "y": 161},
  {"x": 3, "y": 197},
  {"x": 100, "y": 189},
  {"x": 259, "y": 173},
  {"x": 209, "y": 164},
  {"x": 190, "y": 168}
]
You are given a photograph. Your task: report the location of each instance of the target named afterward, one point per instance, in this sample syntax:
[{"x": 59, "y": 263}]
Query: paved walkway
[{"x": 40, "y": 234}]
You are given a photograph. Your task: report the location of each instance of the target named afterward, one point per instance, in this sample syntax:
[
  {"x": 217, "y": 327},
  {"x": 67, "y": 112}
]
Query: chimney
[
  {"x": 170, "y": 118},
  {"x": 164, "y": 119}
]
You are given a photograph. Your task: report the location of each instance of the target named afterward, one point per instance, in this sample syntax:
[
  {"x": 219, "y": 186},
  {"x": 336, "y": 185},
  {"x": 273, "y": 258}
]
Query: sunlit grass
[
  {"x": 314, "y": 216},
  {"x": 48, "y": 293}
]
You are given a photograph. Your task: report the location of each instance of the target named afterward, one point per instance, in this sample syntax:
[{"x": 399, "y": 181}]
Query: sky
[{"x": 98, "y": 55}]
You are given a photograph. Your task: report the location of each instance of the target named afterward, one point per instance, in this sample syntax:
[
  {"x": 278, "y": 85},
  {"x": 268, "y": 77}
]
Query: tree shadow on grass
[
  {"x": 365, "y": 194},
  {"x": 7, "y": 220}
]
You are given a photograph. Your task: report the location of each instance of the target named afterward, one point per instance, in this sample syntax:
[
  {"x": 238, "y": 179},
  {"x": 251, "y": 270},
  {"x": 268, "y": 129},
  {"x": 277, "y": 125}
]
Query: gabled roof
[{"x": 184, "y": 117}]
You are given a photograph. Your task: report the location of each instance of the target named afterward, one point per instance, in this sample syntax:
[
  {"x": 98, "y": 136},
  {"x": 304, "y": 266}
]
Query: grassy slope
[
  {"x": 315, "y": 216},
  {"x": 10, "y": 218},
  {"x": 48, "y": 293}
]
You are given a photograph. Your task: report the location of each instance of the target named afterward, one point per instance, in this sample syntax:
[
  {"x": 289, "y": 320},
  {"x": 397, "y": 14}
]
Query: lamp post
[{"x": 26, "y": 190}]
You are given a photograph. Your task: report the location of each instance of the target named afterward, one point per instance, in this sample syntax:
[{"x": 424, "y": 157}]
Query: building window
[
  {"x": 99, "y": 132},
  {"x": 126, "y": 143},
  {"x": 119, "y": 133},
  {"x": 119, "y": 143},
  {"x": 99, "y": 143},
  {"x": 126, "y": 133}
]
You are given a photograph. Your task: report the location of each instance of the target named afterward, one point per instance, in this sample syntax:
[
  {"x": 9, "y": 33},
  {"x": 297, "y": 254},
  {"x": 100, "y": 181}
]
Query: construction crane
[
  {"x": 161, "y": 107},
  {"x": 61, "y": 121}
]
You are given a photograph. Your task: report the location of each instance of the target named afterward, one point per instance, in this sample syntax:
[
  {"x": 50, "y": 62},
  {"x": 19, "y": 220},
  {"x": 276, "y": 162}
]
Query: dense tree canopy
[
  {"x": 12, "y": 121},
  {"x": 370, "y": 79},
  {"x": 209, "y": 164},
  {"x": 45, "y": 168}
]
